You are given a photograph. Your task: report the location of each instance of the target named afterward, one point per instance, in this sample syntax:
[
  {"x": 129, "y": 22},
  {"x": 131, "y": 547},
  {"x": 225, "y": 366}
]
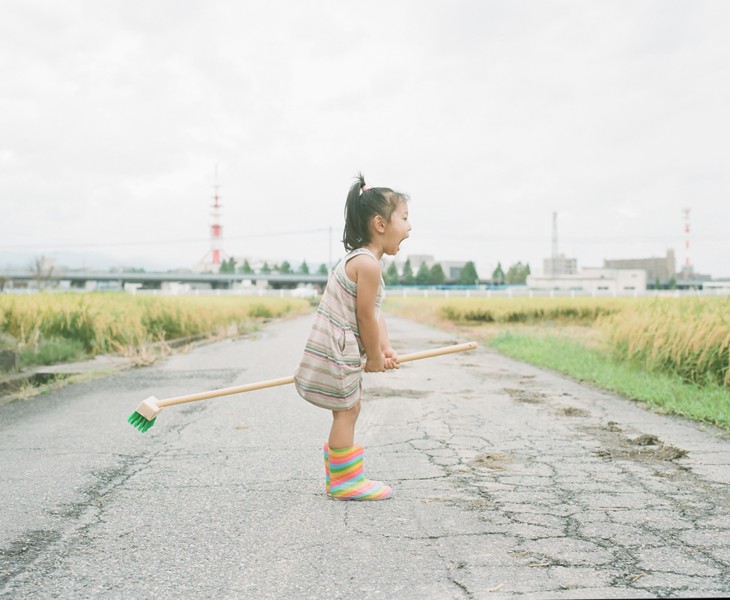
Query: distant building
[
  {"x": 452, "y": 269},
  {"x": 598, "y": 281},
  {"x": 657, "y": 269},
  {"x": 688, "y": 276},
  {"x": 559, "y": 265}
]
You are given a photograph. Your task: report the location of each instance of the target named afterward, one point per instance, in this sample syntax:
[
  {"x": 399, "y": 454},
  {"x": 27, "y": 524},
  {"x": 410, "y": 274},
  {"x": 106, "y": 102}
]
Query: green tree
[
  {"x": 323, "y": 269},
  {"x": 391, "y": 274},
  {"x": 266, "y": 269},
  {"x": 498, "y": 275},
  {"x": 304, "y": 268},
  {"x": 246, "y": 268},
  {"x": 285, "y": 268},
  {"x": 517, "y": 273},
  {"x": 468, "y": 275},
  {"x": 437, "y": 274},
  {"x": 423, "y": 277},
  {"x": 407, "y": 278},
  {"x": 228, "y": 266}
]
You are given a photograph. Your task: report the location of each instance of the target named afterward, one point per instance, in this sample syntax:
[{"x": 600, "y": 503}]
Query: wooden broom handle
[
  {"x": 437, "y": 352},
  {"x": 239, "y": 389}
]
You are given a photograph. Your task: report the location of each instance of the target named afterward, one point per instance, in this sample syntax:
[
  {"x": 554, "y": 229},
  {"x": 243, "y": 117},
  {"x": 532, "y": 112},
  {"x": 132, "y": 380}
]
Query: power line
[{"x": 159, "y": 242}]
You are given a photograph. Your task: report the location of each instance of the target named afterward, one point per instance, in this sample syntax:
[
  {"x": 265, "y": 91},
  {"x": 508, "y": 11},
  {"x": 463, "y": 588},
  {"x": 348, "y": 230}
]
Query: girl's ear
[{"x": 379, "y": 224}]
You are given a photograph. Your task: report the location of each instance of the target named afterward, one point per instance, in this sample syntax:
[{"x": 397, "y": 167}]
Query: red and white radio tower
[
  {"x": 216, "y": 229},
  {"x": 213, "y": 258},
  {"x": 687, "y": 263}
]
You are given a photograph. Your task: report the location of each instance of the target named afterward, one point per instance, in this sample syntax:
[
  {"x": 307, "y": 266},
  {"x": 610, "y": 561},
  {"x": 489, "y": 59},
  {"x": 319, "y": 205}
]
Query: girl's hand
[
  {"x": 391, "y": 359},
  {"x": 376, "y": 364}
]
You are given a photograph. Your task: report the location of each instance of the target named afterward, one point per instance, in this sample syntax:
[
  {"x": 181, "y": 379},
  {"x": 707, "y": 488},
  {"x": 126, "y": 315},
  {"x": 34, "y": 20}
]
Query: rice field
[
  {"x": 688, "y": 337},
  {"x": 530, "y": 310},
  {"x": 107, "y": 322}
]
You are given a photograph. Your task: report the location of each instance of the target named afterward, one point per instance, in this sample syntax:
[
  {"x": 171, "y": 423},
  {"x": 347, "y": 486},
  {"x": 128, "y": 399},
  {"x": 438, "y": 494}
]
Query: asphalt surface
[{"x": 509, "y": 481}]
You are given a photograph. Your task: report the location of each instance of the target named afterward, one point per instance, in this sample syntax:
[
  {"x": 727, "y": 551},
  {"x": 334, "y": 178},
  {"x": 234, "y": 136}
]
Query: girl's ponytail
[{"x": 353, "y": 235}]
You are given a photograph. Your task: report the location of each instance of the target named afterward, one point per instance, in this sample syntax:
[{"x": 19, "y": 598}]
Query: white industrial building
[
  {"x": 593, "y": 281},
  {"x": 719, "y": 286},
  {"x": 560, "y": 265}
]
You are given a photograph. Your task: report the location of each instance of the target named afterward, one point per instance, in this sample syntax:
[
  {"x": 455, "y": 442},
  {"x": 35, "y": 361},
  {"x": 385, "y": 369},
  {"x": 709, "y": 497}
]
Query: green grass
[
  {"x": 666, "y": 392},
  {"x": 50, "y": 352}
]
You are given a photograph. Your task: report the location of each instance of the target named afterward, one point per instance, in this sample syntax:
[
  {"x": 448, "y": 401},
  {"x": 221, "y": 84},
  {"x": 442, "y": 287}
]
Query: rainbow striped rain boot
[
  {"x": 347, "y": 481},
  {"x": 326, "y": 468}
]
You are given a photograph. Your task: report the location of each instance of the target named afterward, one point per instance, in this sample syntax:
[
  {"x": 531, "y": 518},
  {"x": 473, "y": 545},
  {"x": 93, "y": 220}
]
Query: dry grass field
[{"x": 66, "y": 326}]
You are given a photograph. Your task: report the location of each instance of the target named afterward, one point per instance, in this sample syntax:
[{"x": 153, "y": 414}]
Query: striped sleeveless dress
[{"x": 330, "y": 372}]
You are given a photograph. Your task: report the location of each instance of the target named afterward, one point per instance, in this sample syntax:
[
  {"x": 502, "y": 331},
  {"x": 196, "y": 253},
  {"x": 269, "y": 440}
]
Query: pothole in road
[
  {"x": 665, "y": 452},
  {"x": 492, "y": 460},
  {"x": 646, "y": 439},
  {"x": 573, "y": 411},
  {"x": 524, "y": 396},
  {"x": 645, "y": 448}
]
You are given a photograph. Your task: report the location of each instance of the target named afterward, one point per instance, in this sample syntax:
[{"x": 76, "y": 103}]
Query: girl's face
[{"x": 396, "y": 230}]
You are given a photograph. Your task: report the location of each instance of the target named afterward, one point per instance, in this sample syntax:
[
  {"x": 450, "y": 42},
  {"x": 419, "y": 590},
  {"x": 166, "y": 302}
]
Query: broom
[{"x": 144, "y": 417}]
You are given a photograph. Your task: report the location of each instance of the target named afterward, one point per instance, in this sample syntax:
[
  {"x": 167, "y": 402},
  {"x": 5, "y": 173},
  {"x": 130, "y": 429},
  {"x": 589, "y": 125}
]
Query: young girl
[{"x": 349, "y": 327}]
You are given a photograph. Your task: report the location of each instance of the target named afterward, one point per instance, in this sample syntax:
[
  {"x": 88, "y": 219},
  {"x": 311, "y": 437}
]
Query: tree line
[
  {"x": 434, "y": 275},
  {"x": 425, "y": 275},
  {"x": 285, "y": 268}
]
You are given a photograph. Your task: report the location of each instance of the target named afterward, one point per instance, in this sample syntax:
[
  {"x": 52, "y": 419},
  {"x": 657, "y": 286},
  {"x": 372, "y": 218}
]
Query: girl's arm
[
  {"x": 391, "y": 357},
  {"x": 368, "y": 281}
]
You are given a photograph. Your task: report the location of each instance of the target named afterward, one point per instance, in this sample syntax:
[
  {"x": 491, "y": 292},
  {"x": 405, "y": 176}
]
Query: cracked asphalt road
[{"x": 509, "y": 481}]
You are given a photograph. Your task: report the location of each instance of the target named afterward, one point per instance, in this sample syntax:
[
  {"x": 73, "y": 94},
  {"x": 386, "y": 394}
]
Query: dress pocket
[{"x": 350, "y": 349}]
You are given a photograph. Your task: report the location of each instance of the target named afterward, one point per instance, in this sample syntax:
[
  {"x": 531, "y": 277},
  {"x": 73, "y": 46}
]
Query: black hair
[{"x": 361, "y": 205}]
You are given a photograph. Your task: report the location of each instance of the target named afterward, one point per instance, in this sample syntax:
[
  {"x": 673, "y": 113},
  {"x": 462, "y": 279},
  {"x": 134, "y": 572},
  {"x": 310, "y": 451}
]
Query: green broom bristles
[{"x": 140, "y": 422}]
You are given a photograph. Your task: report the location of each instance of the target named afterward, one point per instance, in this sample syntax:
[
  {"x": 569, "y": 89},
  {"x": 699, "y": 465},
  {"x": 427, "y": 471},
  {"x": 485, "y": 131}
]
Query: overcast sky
[{"x": 490, "y": 114}]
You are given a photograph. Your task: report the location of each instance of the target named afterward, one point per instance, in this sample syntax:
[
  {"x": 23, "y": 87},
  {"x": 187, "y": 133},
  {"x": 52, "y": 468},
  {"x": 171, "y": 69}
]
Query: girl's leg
[
  {"x": 342, "y": 434},
  {"x": 344, "y": 462}
]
